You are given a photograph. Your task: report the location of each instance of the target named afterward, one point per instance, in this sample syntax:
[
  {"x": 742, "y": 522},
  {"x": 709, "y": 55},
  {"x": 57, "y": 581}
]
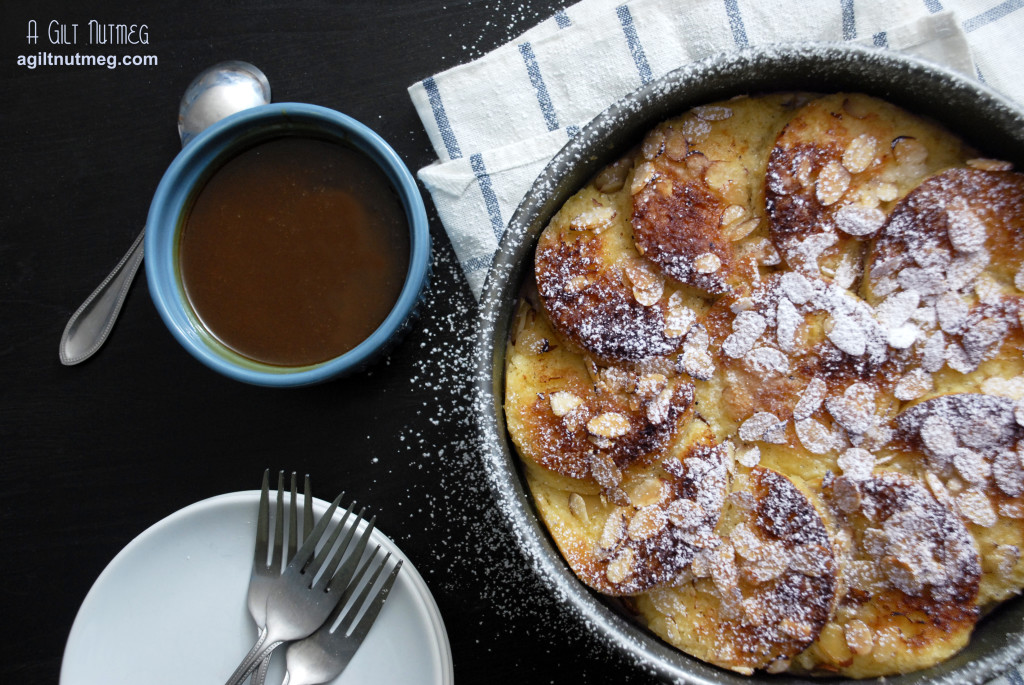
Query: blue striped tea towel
[{"x": 496, "y": 122}]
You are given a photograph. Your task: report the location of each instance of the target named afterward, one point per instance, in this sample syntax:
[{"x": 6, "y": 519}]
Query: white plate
[{"x": 171, "y": 608}]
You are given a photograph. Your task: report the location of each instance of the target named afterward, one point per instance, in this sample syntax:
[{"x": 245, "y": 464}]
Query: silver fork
[
  {"x": 264, "y": 575},
  {"x": 322, "y": 656},
  {"x": 309, "y": 587}
]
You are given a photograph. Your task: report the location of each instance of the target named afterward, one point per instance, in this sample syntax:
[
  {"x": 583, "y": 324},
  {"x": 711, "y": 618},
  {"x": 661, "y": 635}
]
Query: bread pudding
[{"x": 767, "y": 384}]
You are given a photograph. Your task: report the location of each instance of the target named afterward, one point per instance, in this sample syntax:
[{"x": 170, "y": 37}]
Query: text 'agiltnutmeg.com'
[{"x": 85, "y": 44}]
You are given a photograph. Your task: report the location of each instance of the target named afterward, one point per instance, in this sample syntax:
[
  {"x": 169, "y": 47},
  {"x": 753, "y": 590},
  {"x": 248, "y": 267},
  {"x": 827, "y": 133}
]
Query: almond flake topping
[
  {"x": 676, "y": 147},
  {"x": 847, "y": 334},
  {"x": 951, "y": 310},
  {"x": 787, "y": 321},
  {"x": 646, "y": 523},
  {"x": 909, "y": 150},
  {"x": 914, "y": 384},
  {"x": 813, "y": 436},
  {"x": 859, "y": 637},
  {"x": 832, "y": 183},
  {"x": 609, "y": 425},
  {"x": 855, "y": 410},
  {"x": 989, "y": 164},
  {"x": 658, "y": 409},
  {"x": 966, "y": 230},
  {"x": 856, "y": 463},
  {"x": 614, "y": 529},
  {"x": 621, "y": 567},
  {"x": 860, "y": 153},
  {"x": 796, "y": 287},
  {"x": 766, "y": 360},
  {"x": 811, "y": 399},
  {"x": 859, "y": 221},
  {"x": 740, "y": 229},
  {"x": 976, "y": 508},
  {"x": 696, "y": 360},
  {"x": 707, "y": 263},
  {"x": 695, "y": 130},
  {"x": 563, "y": 402},
  {"x": 679, "y": 318},
  {"x": 648, "y": 284},
  {"x": 747, "y": 328},
  {"x": 763, "y": 426},
  {"x": 938, "y": 437},
  {"x": 685, "y": 513},
  {"x": 887, "y": 192},
  {"x": 1005, "y": 558},
  {"x": 596, "y": 219},
  {"x": 732, "y": 214},
  {"x": 971, "y": 466},
  {"x": 578, "y": 507},
  {"x": 749, "y": 456},
  {"x": 897, "y": 309}
]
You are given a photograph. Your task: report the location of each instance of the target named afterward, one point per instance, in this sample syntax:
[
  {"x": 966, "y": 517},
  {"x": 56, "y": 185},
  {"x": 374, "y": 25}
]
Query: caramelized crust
[
  {"x": 969, "y": 449},
  {"x": 836, "y": 171},
  {"x": 911, "y": 576},
  {"x": 952, "y": 229},
  {"x": 598, "y": 291},
  {"x": 698, "y": 196},
  {"x": 647, "y": 540},
  {"x": 761, "y": 595},
  {"x": 564, "y": 421}
]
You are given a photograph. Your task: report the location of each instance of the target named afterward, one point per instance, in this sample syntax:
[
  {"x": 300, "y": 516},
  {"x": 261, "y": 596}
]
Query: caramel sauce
[{"x": 294, "y": 251}]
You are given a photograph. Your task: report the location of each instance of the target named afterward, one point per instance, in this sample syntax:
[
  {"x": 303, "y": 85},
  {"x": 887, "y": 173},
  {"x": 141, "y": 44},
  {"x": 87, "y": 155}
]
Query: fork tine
[
  {"x": 307, "y": 509},
  {"x": 343, "y": 577},
  {"x": 305, "y": 553},
  {"x": 349, "y": 532},
  {"x": 370, "y": 615},
  {"x": 275, "y": 560},
  {"x": 259, "y": 556},
  {"x": 313, "y": 568},
  {"x": 293, "y": 522}
]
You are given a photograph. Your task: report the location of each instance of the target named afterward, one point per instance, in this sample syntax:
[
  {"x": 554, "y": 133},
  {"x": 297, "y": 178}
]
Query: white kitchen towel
[{"x": 496, "y": 122}]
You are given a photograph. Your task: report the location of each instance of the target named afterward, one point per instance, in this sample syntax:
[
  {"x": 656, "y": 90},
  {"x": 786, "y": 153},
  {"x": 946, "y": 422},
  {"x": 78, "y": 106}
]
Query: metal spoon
[{"x": 217, "y": 92}]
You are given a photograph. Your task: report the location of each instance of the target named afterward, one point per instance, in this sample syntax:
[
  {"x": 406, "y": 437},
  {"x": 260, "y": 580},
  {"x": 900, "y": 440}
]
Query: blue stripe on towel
[
  {"x": 739, "y": 32},
  {"x": 451, "y": 144},
  {"x": 933, "y": 6},
  {"x": 572, "y": 131},
  {"x": 636, "y": 48},
  {"x": 483, "y": 179},
  {"x": 477, "y": 263},
  {"x": 562, "y": 19},
  {"x": 994, "y": 14},
  {"x": 543, "y": 98},
  {"x": 880, "y": 39},
  {"x": 849, "y": 20},
  {"x": 1013, "y": 675}
]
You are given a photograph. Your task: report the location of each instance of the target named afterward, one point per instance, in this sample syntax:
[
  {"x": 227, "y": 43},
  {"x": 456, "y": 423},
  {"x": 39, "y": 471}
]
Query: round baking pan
[{"x": 982, "y": 117}]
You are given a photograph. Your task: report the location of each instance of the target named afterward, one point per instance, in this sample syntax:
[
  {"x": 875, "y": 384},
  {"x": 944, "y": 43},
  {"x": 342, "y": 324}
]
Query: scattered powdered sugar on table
[{"x": 471, "y": 528}]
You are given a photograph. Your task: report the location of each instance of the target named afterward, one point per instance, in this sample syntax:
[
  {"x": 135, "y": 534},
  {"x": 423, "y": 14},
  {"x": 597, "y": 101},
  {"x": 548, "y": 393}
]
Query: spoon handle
[{"x": 89, "y": 327}]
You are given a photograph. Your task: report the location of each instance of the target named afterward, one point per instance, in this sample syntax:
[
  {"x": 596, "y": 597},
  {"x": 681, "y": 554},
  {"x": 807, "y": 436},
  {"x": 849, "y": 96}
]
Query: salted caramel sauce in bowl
[
  {"x": 984, "y": 119},
  {"x": 287, "y": 245}
]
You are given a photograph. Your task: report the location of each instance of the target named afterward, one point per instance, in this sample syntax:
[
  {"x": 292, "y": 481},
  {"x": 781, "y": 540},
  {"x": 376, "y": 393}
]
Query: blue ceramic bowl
[{"x": 184, "y": 178}]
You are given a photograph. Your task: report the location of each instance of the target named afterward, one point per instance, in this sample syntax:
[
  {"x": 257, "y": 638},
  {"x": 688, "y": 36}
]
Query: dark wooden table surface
[{"x": 93, "y": 455}]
